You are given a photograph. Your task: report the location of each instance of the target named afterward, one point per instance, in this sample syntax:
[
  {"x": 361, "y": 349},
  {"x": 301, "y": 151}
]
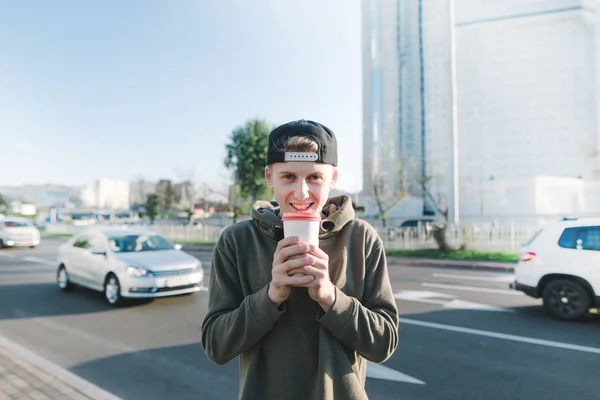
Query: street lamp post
[{"x": 454, "y": 211}]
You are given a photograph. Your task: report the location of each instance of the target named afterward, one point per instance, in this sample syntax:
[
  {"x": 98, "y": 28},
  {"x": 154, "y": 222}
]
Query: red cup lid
[{"x": 301, "y": 216}]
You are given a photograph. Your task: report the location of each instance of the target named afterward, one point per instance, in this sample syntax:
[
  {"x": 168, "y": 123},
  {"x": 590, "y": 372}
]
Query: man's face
[{"x": 300, "y": 185}]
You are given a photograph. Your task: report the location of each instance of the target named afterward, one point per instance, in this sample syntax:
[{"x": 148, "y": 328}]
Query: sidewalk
[{"x": 25, "y": 375}]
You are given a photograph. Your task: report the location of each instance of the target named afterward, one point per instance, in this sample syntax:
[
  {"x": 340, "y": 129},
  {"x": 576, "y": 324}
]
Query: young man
[{"x": 304, "y": 319}]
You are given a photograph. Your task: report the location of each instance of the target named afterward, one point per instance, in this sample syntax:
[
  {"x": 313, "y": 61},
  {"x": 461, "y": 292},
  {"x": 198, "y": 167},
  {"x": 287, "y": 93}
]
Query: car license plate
[{"x": 173, "y": 282}]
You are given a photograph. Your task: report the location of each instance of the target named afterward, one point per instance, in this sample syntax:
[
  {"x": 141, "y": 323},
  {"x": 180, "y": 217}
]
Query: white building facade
[
  {"x": 44, "y": 196},
  {"x": 402, "y": 115},
  {"x": 527, "y": 78},
  {"x": 112, "y": 194},
  {"x": 139, "y": 191},
  {"x": 528, "y": 73},
  {"x": 381, "y": 142}
]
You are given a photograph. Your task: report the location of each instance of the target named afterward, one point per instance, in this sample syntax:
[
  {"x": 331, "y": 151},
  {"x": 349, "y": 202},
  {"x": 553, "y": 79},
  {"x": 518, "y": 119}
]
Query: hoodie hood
[{"x": 336, "y": 213}]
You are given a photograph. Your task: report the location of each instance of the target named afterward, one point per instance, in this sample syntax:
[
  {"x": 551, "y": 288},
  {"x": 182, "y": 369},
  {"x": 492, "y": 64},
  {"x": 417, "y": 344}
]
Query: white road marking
[
  {"x": 420, "y": 294},
  {"x": 473, "y": 289},
  {"x": 446, "y": 300},
  {"x": 428, "y": 301},
  {"x": 501, "y": 278},
  {"x": 468, "y": 305},
  {"x": 41, "y": 261},
  {"x": 378, "y": 371},
  {"x": 504, "y": 336},
  {"x": 85, "y": 387}
]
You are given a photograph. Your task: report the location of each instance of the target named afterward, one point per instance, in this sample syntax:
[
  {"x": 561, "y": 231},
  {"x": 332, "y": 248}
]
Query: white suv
[{"x": 561, "y": 264}]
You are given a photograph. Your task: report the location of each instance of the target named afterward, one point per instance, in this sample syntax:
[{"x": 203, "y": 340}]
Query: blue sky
[{"x": 147, "y": 88}]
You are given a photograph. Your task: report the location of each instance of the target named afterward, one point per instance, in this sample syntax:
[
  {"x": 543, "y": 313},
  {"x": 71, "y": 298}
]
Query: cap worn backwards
[{"x": 319, "y": 133}]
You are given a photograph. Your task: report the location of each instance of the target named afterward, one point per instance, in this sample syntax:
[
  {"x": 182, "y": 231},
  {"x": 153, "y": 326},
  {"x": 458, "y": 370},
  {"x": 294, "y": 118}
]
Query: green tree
[
  {"x": 3, "y": 204},
  {"x": 246, "y": 153},
  {"x": 166, "y": 196},
  {"x": 152, "y": 206}
]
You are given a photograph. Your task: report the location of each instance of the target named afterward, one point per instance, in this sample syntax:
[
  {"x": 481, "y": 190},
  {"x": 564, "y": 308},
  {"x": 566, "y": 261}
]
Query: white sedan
[
  {"x": 15, "y": 232},
  {"x": 127, "y": 264}
]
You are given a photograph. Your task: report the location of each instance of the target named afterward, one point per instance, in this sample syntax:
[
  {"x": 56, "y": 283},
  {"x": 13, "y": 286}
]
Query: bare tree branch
[{"x": 435, "y": 203}]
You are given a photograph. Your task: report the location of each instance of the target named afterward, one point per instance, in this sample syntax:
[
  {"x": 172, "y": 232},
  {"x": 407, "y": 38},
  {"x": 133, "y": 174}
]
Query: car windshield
[
  {"x": 138, "y": 243},
  {"x": 17, "y": 224}
]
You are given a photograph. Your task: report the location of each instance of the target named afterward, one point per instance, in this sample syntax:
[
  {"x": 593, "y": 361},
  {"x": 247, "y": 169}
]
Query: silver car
[
  {"x": 15, "y": 232},
  {"x": 127, "y": 264}
]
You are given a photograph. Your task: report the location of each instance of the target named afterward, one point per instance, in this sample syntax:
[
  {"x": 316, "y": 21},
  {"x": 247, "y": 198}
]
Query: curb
[
  {"x": 193, "y": 247},
  {"x": 87, "y": 388},
  {"x": 413, "y": 262},
  {"x": 54, "y": 237},
  {"x": 460, "y": 264}
]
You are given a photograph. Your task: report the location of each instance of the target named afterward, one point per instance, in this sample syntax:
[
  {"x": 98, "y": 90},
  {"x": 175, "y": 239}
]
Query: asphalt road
[{"x": 463, "y": 335}]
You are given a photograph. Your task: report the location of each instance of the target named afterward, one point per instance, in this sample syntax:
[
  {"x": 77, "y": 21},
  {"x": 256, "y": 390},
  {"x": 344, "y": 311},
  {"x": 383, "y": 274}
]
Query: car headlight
[
  {"x": 139, "y": 272},
  {"x": 198, "y": 265}
]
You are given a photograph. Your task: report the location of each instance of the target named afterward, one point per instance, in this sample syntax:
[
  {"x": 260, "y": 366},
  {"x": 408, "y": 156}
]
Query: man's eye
[
  {"x": 288, "y": 177},
  {"x": 315, "y": 177}
]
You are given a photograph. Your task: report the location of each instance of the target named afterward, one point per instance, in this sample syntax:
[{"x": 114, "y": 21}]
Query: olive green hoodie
[{"x": 298, "y": 351}]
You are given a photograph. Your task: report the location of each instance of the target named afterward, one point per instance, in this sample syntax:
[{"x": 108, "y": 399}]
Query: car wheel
[
  {"x": 567, "y": 299},
  {"x": 62, "y": 279},
  {"x": 1, "y": 244},
  {"x": 112, "y": 290}
]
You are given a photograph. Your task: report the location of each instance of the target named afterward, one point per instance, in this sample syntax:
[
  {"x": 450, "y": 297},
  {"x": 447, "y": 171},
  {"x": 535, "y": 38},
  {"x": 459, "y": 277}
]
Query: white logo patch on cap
[{"x": 301, "y": 156}]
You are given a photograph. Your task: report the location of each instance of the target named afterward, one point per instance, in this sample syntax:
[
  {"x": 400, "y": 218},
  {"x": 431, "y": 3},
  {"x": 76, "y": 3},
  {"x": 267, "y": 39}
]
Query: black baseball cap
[{"x": 322, "y": 135}]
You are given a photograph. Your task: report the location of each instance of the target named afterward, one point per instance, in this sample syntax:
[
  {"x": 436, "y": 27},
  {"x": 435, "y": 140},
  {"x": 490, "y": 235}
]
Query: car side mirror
[
  {"x": 178, "y": 247},
  {"x": 99, "y": 252}
]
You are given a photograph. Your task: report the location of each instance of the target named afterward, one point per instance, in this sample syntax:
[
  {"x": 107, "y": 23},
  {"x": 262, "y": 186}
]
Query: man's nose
[{"x": 301, "y": 190}]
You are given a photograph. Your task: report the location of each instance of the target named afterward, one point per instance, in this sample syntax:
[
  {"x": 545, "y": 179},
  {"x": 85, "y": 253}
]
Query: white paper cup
[{"x": 304, "y": 225}]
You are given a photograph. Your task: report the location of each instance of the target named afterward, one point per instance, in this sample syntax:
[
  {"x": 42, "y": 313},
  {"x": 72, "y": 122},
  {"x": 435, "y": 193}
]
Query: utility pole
[
  {"x": 205, "y": 199},
  {"x": 455, "y": 217}
]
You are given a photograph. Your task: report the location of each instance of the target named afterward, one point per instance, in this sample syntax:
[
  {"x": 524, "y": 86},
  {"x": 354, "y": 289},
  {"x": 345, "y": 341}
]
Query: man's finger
[
  {"x": 298, "y": 280},
  {"x": 288, "y": 241},
  {"x": 296, "y": 263},
  {"x": 317, "y": 252},
  {"x": 290, "y": 251},
  {"x": 316, "y": 272},
  {"x": 291, "y": 264},
  {"x": 301, "y": 270}
]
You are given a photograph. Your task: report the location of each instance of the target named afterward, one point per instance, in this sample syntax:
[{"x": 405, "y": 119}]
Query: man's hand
[
  {"x": 290, "y": 255},
  {"x": 320, "y": 289}
]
